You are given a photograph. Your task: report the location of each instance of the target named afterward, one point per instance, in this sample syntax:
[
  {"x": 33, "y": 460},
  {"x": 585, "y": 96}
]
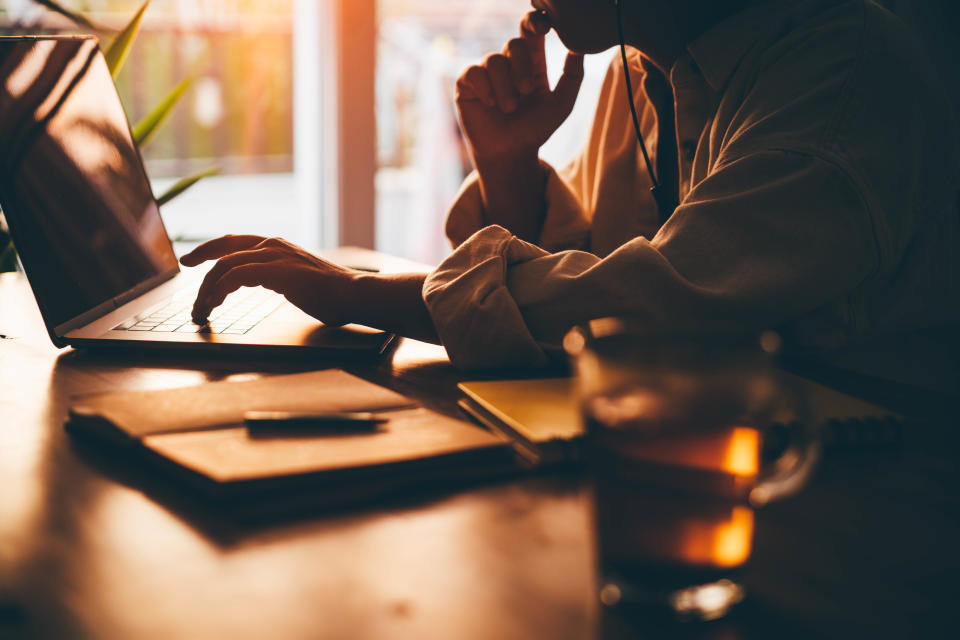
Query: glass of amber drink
[{"x": 685, "y": 437}]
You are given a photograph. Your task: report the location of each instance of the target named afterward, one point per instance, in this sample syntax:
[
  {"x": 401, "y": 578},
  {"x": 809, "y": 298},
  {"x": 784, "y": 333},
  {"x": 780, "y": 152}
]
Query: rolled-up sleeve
[
  {"x": 565, "y": 226},
  {"x": 476, "y": 315},
  {"x": 769, "y": 237}
]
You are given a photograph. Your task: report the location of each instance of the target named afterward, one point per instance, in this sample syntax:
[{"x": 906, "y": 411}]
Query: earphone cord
[{"x": 659, "y": 195}]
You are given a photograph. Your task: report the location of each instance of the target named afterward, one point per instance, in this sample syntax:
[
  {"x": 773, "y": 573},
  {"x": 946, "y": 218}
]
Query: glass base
[{"x": 695, "y": 602}]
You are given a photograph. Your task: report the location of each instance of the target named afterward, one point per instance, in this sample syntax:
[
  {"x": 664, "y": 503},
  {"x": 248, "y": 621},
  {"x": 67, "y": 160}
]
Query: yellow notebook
[
  {"x": 539, "y": 416},
  {"x": 542, "y": 419}
]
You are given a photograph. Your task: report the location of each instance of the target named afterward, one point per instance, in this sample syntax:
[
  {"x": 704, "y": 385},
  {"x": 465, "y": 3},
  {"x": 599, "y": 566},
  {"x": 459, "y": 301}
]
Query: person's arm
[
  {"x": 730, "y": 260},
  {"x": 394, "y": 303},
  {"x": 512, "y": 190},
  {"x": 507, "y": 111},
  {"x": 576, "y": 193},
  {"x": 334, "y": 295}
]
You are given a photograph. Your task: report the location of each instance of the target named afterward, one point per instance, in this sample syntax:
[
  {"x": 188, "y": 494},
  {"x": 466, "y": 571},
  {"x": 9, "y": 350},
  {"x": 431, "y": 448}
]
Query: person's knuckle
[
  {"x": 229, "y": 277},
  {"x": 473, "y": 76},
  {"x": 226, "y": 263},
  {"x": 495, "y": 60},
  {"x": 270, "y": 243},
  {"x": 516, "y": 46},
  {"x": 245, "y": 275}
]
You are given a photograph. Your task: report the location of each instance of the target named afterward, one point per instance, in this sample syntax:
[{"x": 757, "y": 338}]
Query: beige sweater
[{"x": 819, "y": 177}]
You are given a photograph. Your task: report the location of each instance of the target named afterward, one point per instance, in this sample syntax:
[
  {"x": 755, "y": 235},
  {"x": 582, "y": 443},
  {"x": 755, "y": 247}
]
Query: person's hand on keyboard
[{"x": 333, "y": 294}]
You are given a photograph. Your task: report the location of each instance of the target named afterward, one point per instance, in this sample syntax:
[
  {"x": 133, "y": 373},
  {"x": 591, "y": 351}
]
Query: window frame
[{"x": 334, "y": 121}]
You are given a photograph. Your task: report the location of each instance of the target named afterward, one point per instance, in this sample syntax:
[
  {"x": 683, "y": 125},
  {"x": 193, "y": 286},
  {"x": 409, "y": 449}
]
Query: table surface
[{"x": 870, "y": 547}]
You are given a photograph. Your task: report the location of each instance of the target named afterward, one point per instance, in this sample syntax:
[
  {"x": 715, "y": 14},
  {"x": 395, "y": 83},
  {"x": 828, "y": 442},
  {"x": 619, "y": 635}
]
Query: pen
[{"x": 292, "y": 420}]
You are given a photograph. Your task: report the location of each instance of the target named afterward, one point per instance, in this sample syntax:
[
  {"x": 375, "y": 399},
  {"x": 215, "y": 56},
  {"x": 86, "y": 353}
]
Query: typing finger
[
  {"x": 498, "y": 68},
  {"x": 219, "y": 247},
  {"x": 474, "y": 84},
  {"x": 273, "y": 275},
  {"x": 521, "y": 65},
  {"x": 227, "y": 263}
]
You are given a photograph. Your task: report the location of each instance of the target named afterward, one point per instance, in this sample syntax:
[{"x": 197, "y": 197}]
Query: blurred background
[{"x": 241, "y": 112}]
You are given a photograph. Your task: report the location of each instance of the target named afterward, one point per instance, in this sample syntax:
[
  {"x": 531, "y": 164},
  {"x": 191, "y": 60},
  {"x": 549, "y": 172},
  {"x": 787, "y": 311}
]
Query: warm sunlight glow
[
  {"x": 733, "y": 539},
  {"x": 25, "y": 451},
  {"x": 21, "y": 504},
  {"x": 743, "y": 452},
  {"x": 735, "y": 450},
  {"x": 68, "y": 75},
  {"x": 30, "y": 68},
  {"x": 713, "y": 539},
  {"x": 87, "y": 147}
]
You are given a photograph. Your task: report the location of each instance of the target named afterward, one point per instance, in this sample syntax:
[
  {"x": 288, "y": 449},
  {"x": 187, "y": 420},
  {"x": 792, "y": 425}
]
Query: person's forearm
[
  {"x": 394, "y": 303},
  {"x": 513, "y": 193}
]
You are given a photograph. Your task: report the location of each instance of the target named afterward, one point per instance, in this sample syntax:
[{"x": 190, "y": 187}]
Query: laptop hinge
[
  {"x": 85, "y": 318},
  {"x": 114, "y": 303}
]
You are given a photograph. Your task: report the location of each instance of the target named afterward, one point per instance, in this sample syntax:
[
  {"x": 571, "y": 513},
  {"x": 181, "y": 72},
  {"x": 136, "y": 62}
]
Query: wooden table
[{"x": 869, "y": 549}]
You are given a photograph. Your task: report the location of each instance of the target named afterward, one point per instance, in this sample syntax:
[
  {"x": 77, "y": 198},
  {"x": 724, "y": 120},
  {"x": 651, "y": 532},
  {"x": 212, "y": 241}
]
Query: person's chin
[{"x": 582, "y": 46}]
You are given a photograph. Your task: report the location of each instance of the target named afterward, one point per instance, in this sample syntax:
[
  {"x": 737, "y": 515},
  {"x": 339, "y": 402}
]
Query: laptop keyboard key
[
  {"x": 241, "y": 311},
  {"x": 188, "y": 328}
]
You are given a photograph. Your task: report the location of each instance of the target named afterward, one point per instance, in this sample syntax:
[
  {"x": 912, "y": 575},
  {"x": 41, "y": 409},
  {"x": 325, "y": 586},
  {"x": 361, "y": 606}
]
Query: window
[
  {"x": 237, "y": 116},
  {"x": 332, "y": 121},
  {"x": 422, "y": 46}
]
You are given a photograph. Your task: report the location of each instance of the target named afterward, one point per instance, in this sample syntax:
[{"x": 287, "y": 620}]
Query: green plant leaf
[
  {"x": 146, "y": 128},
  {"x": 183, "y": 184},
  {"x": 77, "y": 18},
  {"x": 117, "y": 53},
  {"x": 8, "y": 254}
]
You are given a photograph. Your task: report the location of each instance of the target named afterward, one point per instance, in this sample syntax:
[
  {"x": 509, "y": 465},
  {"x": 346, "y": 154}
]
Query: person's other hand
[
  {"x": 506, "y": 106},
  {"x": 320, "y": 288}
]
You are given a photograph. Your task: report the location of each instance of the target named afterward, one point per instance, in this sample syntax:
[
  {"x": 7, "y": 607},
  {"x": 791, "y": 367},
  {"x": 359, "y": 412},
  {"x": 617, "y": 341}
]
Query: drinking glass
[{"x": 685, "y": 437}]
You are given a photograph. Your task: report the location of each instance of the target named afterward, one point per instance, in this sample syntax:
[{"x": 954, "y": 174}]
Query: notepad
[
  {"x": 542, "y": 420},
  {"x": 540, "y": 417},
  {"x": 198, "y": 433}
]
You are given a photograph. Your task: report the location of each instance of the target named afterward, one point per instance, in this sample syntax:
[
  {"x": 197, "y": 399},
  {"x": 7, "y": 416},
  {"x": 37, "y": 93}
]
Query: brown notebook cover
[{"x": 199, "y": 432}]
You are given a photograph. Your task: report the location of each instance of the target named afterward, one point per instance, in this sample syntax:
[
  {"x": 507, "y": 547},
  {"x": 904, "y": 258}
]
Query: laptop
[{"x": 88, "y": 230}]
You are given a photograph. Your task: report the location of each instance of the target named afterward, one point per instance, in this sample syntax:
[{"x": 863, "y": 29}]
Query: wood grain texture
[{"x": 91, "y": 546}]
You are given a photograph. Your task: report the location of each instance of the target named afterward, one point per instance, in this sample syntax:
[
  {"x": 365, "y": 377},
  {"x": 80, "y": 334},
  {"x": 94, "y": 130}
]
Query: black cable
[{"x": 664, "y": 206}]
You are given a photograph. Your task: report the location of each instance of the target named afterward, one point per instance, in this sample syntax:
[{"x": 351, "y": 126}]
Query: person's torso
[{"x": 843, "y": 81}]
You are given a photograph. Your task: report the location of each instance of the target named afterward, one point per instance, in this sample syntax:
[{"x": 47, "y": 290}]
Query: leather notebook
[{"x": 198, "y": 433}]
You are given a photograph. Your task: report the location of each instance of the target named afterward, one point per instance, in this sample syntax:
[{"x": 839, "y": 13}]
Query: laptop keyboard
[{"x": 239, "y": 313}]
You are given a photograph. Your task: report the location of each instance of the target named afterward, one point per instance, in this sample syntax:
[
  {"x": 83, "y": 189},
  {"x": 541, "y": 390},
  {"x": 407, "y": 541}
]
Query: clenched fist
[{"x": 506, "y": 106}]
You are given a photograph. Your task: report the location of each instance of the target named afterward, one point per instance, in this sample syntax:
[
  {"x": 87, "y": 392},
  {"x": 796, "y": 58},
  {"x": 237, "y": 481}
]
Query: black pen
[{"x": 323, "y": 422}]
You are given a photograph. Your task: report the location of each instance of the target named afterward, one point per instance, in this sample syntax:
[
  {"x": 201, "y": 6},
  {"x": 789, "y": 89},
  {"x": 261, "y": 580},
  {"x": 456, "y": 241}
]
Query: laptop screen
[{"x": 72, "y": 184}]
